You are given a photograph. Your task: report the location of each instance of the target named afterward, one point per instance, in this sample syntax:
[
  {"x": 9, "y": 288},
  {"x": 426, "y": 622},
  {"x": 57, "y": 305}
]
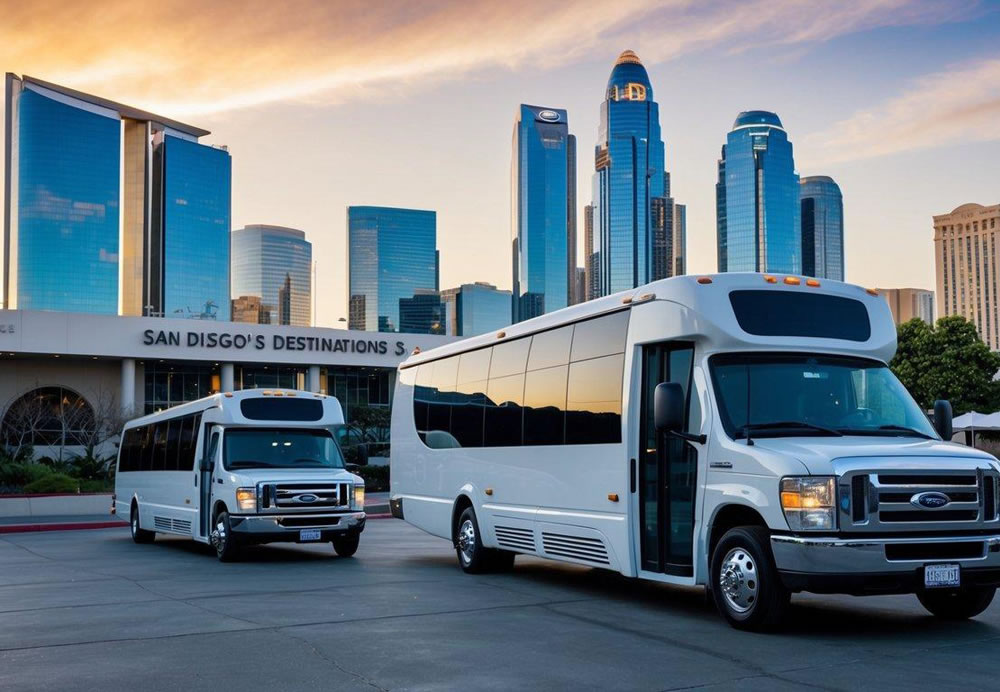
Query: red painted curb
[
  {"x": 77, "y": 526},
  {"x": 378, "y": 516}
]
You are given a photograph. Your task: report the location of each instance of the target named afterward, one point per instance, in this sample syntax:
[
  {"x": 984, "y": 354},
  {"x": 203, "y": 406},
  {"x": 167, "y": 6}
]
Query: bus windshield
[
  {"x": 252, "y": 448},
  {"x": 794, "y": 395}
]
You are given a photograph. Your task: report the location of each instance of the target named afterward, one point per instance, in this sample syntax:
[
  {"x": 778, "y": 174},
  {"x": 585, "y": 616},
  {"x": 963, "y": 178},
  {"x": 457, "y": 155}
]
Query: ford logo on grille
[
  {"x": 930, "y": 500},
  {"x": 306, "y": 497}
]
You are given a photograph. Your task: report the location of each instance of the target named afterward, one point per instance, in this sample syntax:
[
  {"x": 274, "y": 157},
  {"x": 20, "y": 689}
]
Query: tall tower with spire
[{"x": 632, "y": 230}]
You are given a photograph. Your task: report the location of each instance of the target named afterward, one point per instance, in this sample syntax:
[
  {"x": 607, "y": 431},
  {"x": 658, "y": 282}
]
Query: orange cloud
[{"x": 191, "y": 57}]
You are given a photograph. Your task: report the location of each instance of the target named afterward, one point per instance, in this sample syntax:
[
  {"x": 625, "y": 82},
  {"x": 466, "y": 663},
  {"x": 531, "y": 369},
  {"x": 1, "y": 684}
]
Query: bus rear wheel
[
  {"x": 473, "y": 557},
  {"x": 745, "y": 583},
  {"x": 139, "y": 534}
]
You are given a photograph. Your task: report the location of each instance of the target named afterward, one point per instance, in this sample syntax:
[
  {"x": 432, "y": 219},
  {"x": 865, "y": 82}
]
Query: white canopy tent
[{"x": 973, "y": 421}]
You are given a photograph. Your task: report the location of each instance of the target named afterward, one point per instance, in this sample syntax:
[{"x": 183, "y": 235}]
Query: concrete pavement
[{"x": 90, "y": 610}]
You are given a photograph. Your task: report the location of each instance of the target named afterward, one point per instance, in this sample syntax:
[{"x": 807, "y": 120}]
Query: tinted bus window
[
  {"x": 504, "y": 397},
  {"x": 545, "y": 406},
  {"x": 601, "y": 336},
  {"x": 798, "y": 313},
  {"x": 510, "y": 358},
  {"x": 550, "y": 348},
  {"x": 474, "y": 366},
  {"x": 146, "y": 448},
  {"x": 283, "y": 408},
  {"x": 594, "y": 401},
  {"x": 159, "y": 446},
  {"x": 173, "y": 444},
  {"x": 467, "y": 413}
]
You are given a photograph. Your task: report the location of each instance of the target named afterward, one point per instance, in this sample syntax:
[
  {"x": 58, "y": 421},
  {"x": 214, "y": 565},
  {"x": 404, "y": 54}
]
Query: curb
[{"x": 66, "y": 526}]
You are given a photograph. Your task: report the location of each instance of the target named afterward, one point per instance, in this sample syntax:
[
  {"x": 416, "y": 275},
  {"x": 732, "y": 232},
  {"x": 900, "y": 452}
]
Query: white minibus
[
  {"x": 738, "y": 431},
  {"x": 249, "y": 467}
]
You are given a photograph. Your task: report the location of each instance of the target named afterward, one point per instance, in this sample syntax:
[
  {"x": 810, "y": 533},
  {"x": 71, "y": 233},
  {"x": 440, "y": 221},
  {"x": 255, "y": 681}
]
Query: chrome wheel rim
[
  {"x": 135, "y": 524},
  {"x": 219, "y": 536},
  {"x": 467, "y": 541},
  {"x": 738, "y": 580}
]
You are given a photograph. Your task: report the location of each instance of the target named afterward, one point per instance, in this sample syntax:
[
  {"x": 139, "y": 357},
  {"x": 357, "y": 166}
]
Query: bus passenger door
[
  {"x": 667, "y": 468},
  {"x": 206, "y": 466}
]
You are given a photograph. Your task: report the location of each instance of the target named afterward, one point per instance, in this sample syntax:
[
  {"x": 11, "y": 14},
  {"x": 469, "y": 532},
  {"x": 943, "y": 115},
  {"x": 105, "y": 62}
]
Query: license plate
[
  {"x": 938, "y": 576},
  {"x": 310, "y": 534}
]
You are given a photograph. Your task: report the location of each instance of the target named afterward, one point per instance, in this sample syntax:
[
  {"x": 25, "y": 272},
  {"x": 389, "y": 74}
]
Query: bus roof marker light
[
  {"x": 770, "y": 279},
  {"x": 501, "y": 335},
  {"x": 228, "y": 395},
  {"x": 792, "y": 280},
  {"x": 416, "y": 351},
  {"x": 626, "y": 300},
  {"x": 704, "y": 279},
  {"x": 613, "y": 497},
  {"x": 812, "y": 282},
  {"x": 871, "y": 291}
]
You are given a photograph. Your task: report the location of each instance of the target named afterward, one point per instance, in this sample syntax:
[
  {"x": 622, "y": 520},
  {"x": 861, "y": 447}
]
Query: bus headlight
[
  {"x": 246, "y": 499},
  {"x": 809, "y": 502},
  {"x": 359, "y": 497}
]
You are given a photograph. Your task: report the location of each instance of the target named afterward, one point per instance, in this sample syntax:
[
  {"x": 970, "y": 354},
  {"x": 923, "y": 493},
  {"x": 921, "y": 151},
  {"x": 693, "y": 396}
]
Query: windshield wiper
[
  {"x": 248, "y": 465},
  {"x": 887, "y": 430},
  {"x": 790, "y": 425}
]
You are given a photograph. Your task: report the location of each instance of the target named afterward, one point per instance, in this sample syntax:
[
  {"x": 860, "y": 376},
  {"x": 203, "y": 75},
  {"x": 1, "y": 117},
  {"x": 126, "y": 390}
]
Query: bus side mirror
[
  {"x": 668, "y": 407},
  {"x": 942, "y": 419}
]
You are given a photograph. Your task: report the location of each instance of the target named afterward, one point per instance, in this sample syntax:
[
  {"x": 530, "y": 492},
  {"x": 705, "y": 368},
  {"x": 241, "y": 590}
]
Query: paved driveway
[{"x": 89, "y": 610}]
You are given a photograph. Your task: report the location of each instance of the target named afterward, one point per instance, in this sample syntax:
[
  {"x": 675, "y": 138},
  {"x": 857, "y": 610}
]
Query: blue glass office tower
[
  {"x": 543, "y": 212},
  {"x": 757, "y": 198},
  {"x": 194, "y": 228},
  {"x": 822, "y": 212},
  {"x": 111, "y": 209},
  {"x": 62, "y": 208},
  {"x": 391, "y": 256},
  {"x": 632, "y": 209},
  {"x": 263, "y": 258},
  {"x": 477, "y": 308}
]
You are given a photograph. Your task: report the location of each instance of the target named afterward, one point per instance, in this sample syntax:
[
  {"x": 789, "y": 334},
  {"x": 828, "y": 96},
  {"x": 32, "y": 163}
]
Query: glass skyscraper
[
  {"x": 477, "y": 308},
  {"x": 264, "y": 257},
  {"x": 543, "y": 212},
  {"x": 391, "y": 256},
  {"x": 111, "y": 209},
  {"x": 631, "y": 208},
  {"x": 62, "y": 211},
  {"x": 822, "y": 213},
  {"x": 757, "y": 198},
  {"x": 195, "y": 227}
]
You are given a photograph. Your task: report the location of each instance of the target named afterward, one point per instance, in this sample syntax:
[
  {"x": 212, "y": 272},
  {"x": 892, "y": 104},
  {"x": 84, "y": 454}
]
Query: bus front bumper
[
  {"x": 288, "y": 527},
  {"x": 881, "y": 565}
]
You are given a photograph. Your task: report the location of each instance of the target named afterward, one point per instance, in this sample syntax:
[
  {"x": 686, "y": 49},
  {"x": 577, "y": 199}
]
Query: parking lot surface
[{"x": 89, "y": 610}]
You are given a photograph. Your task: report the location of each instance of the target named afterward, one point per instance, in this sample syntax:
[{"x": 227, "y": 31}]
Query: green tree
[{"x": 947, "y": 361}]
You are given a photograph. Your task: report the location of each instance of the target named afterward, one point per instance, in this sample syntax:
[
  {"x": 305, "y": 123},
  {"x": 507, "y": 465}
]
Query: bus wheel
[
  {"x": 139, "y": 535},
  {"x": 745, "y": 582},
  {"x": 226, "y": 547},
  {"x": 957, "y": 604},
  {"x": 347, "y": 545},
  {"x": 472, "y": 556}
]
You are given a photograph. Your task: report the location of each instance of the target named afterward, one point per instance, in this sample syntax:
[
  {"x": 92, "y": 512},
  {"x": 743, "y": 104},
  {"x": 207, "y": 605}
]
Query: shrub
[
  {"x": 23, "y": 473},
  {"x": 376, "y": 477},
  {"x": 96, "y": 486},
  {"x": 53, "y": 483}
]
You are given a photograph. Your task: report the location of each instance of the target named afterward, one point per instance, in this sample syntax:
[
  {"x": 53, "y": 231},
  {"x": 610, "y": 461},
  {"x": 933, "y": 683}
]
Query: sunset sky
[{"x": 329, "y": 104}]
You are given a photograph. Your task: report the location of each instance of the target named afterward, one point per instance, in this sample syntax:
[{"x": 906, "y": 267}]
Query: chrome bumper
[
  {"x": 276, "y": 523},
  {"x": 819, "y": 555}
]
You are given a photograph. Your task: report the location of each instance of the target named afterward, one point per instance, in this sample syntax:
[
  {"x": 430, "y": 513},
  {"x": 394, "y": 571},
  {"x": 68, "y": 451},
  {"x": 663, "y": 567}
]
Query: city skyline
[{"x": 896, "y": 101}]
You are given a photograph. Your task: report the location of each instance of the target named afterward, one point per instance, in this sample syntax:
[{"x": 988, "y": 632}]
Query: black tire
[
  {"x": 473, "y": 558},
  {"x": 346, "y": 546},
  {"x": 227, "y": 548},
  {"x": 745, "y": 583},
  {"x": 957, "y": 604},
  {"x": 139, "y": 534}
]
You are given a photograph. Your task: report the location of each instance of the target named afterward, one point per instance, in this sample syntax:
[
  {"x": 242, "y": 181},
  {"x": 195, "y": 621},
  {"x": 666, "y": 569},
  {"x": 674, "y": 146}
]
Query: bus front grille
[{"x": 303, "y": 496}]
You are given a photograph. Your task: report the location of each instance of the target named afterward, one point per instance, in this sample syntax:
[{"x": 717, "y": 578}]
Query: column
[
  {"x": 226, "y": 377},
  {"x": 312, "y": 379},
  {"x": 127, "y": 397}
]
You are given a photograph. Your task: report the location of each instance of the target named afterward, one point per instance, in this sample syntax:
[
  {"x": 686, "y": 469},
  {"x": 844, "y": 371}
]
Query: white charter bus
[
  {"x": 739, "y": 431},
  {"x": 256, "y": 466}
]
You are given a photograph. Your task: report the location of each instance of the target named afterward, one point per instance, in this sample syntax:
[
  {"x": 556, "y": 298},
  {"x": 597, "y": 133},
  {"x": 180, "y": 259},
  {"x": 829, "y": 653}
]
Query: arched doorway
[{"x": 47, "y": 416}]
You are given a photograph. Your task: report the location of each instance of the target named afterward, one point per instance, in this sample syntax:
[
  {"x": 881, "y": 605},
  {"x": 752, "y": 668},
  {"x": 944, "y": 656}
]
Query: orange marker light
[
  {"x": 871, "y": 291},
  {"x": 704, "y": 280},
  {"x": 792, "y": 280},
  {"x": 812, "y": 282},
  {"x": 770, "y": 279},
  {"x": 501, "y": 335}
]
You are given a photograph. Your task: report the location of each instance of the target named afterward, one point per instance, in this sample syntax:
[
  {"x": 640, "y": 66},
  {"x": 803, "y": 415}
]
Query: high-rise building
[
  {"x": 100, "y": 218},
  {"x": 822, "y": 218},
  {"x": 543, "y": 212},
  {"x": 679, "y": 244},
  {"x": 265, "y": 259},
  {"x": 589, "y": 257},
  {"x": 906, "y": 304},
  {"x": 966, "y": 262},
  {"x": 249, "y": 309},
  {"x": 632, "y": 209},
  {"x": 757, "y": 198},
  {"x": 422, "y": 313},
  {"x": 391, "y": 255},
  {"x": 580, "y": 286},
  {"x": 473, "y": 309}
]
